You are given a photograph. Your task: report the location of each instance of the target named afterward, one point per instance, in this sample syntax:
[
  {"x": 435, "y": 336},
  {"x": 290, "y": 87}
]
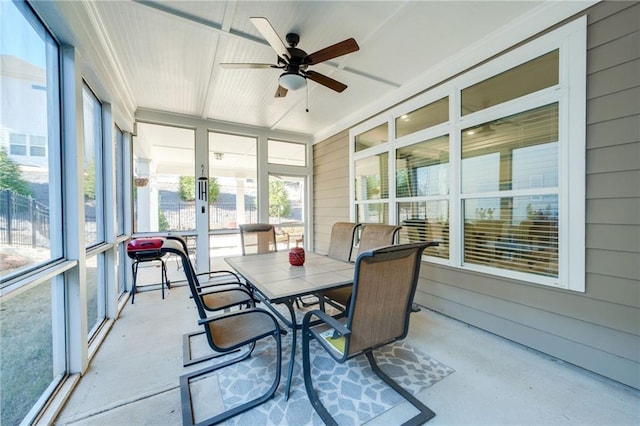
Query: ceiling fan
[{"x": 295, "y": 62}]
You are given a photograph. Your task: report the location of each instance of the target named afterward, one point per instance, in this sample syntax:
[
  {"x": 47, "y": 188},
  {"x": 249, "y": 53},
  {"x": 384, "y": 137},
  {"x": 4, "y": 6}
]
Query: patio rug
[{"x": 350, "y": 391}]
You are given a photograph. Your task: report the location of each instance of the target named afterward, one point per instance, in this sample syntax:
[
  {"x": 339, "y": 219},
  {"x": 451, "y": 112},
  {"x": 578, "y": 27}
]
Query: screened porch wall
[{"x": 598, "y": 329}]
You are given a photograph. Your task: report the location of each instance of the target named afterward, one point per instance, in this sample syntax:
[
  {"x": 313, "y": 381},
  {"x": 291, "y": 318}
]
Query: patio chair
[
  {"x": 385, "y": 282},
  {"x": 341, "y": 241},
  {"x": 222, "y": 291},
  {"x": 226, "y": 333},
  {"x": 372, "y": 236},
  {"x": 258, "y": 238}
]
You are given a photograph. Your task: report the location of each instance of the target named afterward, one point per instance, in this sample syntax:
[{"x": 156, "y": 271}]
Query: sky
[{"x": 18, "y": 38}]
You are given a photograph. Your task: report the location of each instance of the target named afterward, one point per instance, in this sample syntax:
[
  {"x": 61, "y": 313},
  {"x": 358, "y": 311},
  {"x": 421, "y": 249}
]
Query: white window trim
[{"x": 569, "y": 93}]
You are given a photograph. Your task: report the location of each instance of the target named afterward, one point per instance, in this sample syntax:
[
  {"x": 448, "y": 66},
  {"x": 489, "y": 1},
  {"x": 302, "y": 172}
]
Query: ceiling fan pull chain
[{"x": 307, "y": 87}]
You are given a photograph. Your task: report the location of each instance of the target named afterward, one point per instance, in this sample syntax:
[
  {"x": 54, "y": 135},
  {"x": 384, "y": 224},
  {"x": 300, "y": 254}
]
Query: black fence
[
  {"x": 180, "y": 216},
  {"x": 23, "y": 220}
]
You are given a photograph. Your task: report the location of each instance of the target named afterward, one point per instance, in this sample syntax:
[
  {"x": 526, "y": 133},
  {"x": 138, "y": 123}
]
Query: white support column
[
  {"x": 111, "y": 206},
  {"x": 144, "y": 208},
  {"x": 74, "y": 220},
  {"x": 240, "y": 210},
  {"x": 202, "y": 205}
]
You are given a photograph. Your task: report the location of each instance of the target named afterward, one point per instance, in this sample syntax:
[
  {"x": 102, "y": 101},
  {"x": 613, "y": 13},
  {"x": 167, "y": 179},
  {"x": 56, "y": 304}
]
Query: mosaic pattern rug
[{"x": 350, "y": 391}]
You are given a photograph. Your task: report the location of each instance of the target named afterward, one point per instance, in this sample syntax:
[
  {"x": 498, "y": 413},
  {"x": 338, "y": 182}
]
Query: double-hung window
[{"x": 489, "y": 163}]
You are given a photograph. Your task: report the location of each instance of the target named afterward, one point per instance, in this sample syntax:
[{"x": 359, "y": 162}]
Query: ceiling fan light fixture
[{"x": 292, "y": 81}]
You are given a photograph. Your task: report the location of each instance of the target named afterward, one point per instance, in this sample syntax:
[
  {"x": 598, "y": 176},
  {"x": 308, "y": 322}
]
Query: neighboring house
[{"x": 24, "y": 140}]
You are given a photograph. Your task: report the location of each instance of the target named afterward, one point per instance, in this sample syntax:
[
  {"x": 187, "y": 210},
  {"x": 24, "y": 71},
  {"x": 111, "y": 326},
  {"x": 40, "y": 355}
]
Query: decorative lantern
[{"x": 296, "y": 256}]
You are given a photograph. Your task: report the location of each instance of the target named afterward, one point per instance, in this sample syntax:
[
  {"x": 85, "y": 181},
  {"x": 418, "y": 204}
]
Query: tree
[
  {"x": 11, "y": 176},
  {"x": 90, "y": 181},
  {"x": 187, "y": 189},
  {"x": 279, "y": 204}
]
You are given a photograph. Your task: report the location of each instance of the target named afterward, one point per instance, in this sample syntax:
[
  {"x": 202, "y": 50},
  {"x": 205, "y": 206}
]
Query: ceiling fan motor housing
[{"x": 292, "y": 39}]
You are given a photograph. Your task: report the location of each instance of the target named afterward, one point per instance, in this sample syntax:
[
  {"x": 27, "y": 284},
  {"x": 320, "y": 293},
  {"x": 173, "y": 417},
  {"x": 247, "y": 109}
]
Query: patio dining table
[{"x": 275, "y": 281}]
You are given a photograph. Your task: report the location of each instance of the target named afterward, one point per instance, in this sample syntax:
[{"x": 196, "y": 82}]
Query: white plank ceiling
[{"x": 165, "y": 55}]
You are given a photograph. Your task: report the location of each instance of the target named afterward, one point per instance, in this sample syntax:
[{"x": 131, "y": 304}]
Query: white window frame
[{"x": 569, "y": 93}]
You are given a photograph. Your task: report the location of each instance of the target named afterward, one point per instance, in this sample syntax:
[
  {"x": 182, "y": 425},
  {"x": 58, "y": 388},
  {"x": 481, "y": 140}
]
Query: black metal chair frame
[
  {"x": 309, "y": 332},
  {"x": 249, "y": 342},
  {"x": 230, "y": 285}
]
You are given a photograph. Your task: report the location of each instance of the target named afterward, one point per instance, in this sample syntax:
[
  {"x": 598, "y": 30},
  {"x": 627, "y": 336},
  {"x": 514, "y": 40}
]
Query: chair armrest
[
  {"x": 339, "y": 327},
  {"x": 220, "y": 272}
]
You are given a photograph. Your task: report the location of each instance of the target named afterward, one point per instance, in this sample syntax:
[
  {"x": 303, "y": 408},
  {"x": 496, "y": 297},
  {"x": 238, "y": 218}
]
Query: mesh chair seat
[{"x": 385, "y": 282}]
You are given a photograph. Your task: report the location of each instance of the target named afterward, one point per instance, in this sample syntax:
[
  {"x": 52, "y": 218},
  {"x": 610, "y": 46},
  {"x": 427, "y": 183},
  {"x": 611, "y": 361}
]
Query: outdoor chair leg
[
  {"x": 186, "y": 350},
  {"x": 134, "y": 270},
  {"x": 425, "y": 412},
  {"x": 185, "y": 394},
  {"x": 308, "y": 384}
]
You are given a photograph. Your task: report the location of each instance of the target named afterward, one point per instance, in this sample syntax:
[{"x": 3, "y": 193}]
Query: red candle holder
[{"x": 296, "y": 256}]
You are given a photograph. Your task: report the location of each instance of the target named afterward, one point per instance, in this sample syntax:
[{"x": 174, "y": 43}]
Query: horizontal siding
[
  {"x": 613, "y": 158},
  {"x": 331, "y": 190},
  {"x": 620, "y": 23},
  {"x": 575, "y": 330},
  {"x": 613, "y": 53},
  {"x": 612, "y": 289},
  {"x": 626, "y": 211},
  {"x": 613, "y": 185},
  {"x": 614, "y": 237},
  {"x": 614, "y": 105},
  {"x": 614, "y": 79},
  {"x": 618, "y": 315},
  {"x": 613, "y": 132},
  {"x": 614, "y": 263}
]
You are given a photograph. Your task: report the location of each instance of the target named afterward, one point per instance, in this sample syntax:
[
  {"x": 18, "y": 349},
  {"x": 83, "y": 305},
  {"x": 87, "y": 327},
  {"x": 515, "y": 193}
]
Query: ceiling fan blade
[
  {"x": 326, "y": 81},
  {"x": 347, "y": 46},
  {"x": 236, "y": 66},
  {"x": 281, "y": 92},
  {"x": 264, "y": 26}
]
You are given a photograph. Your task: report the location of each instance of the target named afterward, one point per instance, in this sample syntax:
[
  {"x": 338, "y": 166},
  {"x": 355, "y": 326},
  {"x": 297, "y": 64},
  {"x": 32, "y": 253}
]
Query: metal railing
[{"x": 23, "y": 220}]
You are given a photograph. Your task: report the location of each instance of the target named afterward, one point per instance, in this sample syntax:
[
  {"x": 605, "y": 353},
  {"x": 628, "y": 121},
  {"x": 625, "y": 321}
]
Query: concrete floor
[{"x": 133, "y": 379}]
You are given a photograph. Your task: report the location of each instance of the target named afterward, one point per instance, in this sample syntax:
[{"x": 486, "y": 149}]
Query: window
[
  {"x": 373, "y": 137},
  {"x": 287, "y": 153},
  {"x": 30, "y": 195},
  {"x": 37, "y": 146},
  {"x": 17, "y": 144},
  {"x": 96, "y": 304},
  {"x": 422, "y": 190},
  {"x": 120, "y": 167},
  {"x": 372, "y": 188},
  {"x": 534, "y": 75},
  {"x": 423, "y": 118},
  {"x": 164, "y": 182},
  {"x": 514, "y": 156},
  {"x": 504, "y": 174},
  {"x": 30, "y": 217},
  {"x": 286, "y": 209},
  {"x": 93, "y": 167},
  {"x": 233, "y": 169}
]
